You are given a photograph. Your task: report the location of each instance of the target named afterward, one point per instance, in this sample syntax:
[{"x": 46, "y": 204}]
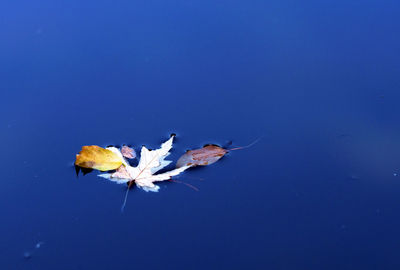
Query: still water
[{"x": 318, "y": 81}]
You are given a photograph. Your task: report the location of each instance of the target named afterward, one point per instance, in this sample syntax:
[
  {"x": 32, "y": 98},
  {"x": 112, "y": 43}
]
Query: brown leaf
[
  {"x": 96, "y": 157},
  {"x": 201, "y": 157},
  {"x": 128, "y": 152}
]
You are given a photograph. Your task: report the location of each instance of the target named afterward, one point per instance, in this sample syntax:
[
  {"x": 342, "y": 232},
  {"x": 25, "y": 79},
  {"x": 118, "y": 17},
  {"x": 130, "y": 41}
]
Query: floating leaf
[
  {"x": 96, "y": 157},
  {"x": 151, "y": 161},
  {"x": 128, "y": 152},
  {"x": 207, "y": 155}
]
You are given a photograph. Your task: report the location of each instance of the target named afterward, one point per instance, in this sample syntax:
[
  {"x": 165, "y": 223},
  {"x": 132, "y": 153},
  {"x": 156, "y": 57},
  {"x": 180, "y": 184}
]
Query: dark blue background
[{"x": 319, "y": 80}]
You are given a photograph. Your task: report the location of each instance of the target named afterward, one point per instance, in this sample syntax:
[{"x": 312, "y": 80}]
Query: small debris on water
[
  {"x": 39, "y": 244},
  {"x": 28, "y": 254}
]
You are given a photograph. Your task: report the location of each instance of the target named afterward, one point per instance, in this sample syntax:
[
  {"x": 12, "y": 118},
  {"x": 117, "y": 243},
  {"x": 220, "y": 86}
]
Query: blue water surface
[{"x": 317, "y": 80}]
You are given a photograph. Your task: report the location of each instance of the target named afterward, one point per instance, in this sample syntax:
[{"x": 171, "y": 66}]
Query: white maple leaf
[{"x": 151, "y": 161}]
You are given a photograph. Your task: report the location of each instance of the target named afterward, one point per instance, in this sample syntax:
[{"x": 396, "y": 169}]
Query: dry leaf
[
  {"x": 151, "y": 161},
  {"x": 200, "y": 157},
  {"x": 95, "y": 157},
  {"x": 128, "y": 152}
]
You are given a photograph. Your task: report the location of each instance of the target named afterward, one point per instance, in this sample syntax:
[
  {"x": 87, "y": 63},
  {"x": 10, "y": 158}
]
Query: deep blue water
[{"x": 317, "y": 80}]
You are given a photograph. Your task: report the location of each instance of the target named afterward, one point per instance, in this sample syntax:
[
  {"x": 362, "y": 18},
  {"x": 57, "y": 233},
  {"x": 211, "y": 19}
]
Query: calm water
[{"x": 317, "y": 80}]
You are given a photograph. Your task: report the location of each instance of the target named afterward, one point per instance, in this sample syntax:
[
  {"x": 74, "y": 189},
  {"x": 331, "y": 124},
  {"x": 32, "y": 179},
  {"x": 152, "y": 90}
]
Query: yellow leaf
[{"x": 95, "y": 157}]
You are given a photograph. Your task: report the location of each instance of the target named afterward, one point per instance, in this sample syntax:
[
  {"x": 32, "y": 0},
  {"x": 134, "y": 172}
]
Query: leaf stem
[
  {"x": 247, "y": 146},
  {"x": 125, "y": 199}
]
